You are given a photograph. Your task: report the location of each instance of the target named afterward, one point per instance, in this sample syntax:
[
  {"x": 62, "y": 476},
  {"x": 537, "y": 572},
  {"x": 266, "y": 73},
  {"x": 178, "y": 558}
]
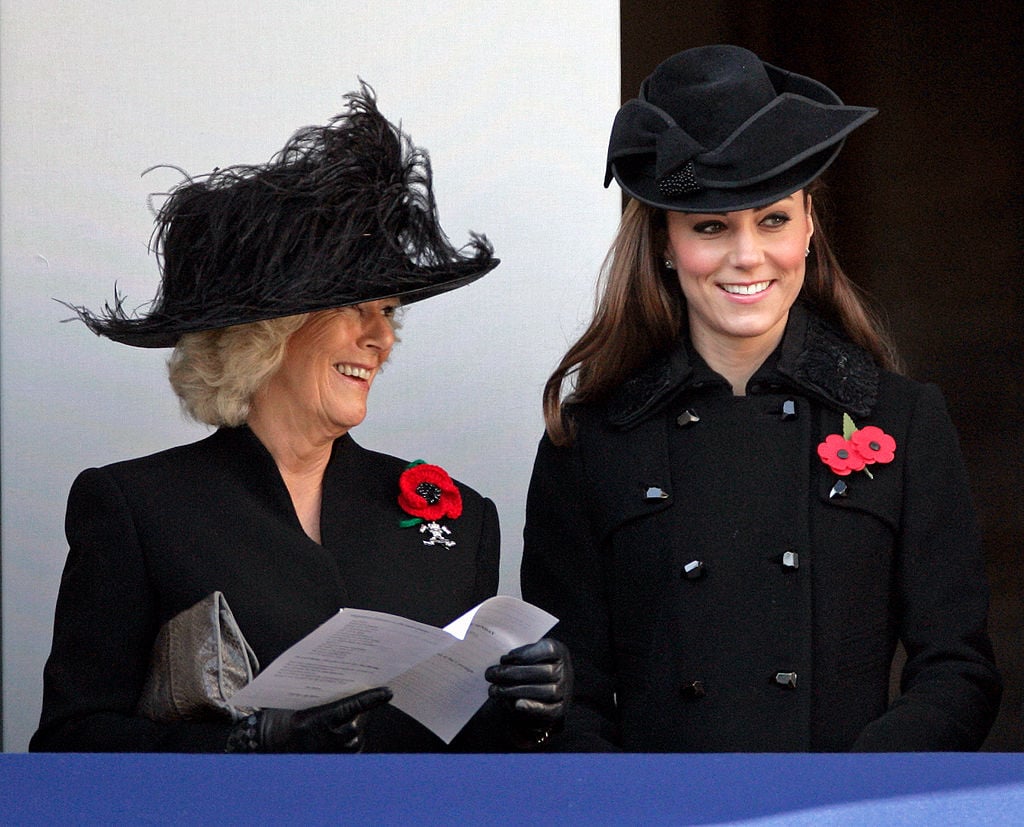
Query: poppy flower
[
  {"x": 840, "y": 455},
  {"x": 428, "y": 493},
  {"x": 874, "y": 444}
]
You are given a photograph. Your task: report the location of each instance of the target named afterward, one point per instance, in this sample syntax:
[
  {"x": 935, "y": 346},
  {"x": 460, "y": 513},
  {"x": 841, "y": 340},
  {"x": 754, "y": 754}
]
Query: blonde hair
[{"x": 216, "y": 373}]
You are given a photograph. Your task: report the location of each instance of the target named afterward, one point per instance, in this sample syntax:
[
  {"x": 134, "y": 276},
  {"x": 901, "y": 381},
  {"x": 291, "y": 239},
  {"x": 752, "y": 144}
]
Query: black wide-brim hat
[
  {"x": 715, "y": 129},
  {"x": 343, "y": 214}
]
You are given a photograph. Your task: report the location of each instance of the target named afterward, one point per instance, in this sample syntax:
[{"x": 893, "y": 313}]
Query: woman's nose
[
  {"x": 747, "y": 251},
  {"x": 378, "y": 331}
]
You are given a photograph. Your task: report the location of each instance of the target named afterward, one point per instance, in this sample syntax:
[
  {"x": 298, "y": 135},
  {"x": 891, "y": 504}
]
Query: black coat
[
  {"x": 666, "y": 546},
  {"x": 152, "y": 536}
]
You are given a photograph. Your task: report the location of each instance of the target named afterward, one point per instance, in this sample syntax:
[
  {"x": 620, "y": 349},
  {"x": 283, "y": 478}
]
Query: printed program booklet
[{"x": 437, "y": 675}]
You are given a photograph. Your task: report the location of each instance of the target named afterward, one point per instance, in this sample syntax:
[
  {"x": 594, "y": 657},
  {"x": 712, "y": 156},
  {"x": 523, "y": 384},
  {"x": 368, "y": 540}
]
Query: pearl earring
[
  {"x": 807, "y": 252},
  {"x": 669, "y": 265}
]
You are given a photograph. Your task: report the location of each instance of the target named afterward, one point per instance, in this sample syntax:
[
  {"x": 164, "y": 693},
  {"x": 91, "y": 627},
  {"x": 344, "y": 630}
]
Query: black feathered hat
[
  {"x": 715, "y": 129},
  {"x": 343, "y": 214}
]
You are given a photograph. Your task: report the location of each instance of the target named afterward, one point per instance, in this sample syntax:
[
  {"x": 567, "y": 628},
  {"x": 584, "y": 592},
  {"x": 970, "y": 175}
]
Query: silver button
[
  {"x": 786, "y": 679},
  {"x": 838, "y": 490}
]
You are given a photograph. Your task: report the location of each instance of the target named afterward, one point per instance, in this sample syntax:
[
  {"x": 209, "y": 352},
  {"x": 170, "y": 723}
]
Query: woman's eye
[
  {"x": 708, "y": 227},
  {"x": 777, "y": 219},
  {"x": 368, "y": 309}
]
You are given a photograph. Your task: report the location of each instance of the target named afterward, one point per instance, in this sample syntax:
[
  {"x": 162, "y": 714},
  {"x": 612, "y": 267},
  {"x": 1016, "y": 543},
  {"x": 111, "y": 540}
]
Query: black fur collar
[{"x": 814, "y": 357}]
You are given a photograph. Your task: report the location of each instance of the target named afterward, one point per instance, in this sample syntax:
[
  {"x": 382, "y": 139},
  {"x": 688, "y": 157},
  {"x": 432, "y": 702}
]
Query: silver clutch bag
[{"x": 200, "y": 659}]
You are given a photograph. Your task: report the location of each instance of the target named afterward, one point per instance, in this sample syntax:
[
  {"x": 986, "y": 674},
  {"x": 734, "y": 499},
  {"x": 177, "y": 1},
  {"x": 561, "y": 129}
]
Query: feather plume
[{"x": 342, "y": 214}]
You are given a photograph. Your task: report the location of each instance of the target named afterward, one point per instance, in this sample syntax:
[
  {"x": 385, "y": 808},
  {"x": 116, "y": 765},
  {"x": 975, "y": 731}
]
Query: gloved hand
[
  {"x": 333, "y": 727},
  {"x": 533, "y": 683}
]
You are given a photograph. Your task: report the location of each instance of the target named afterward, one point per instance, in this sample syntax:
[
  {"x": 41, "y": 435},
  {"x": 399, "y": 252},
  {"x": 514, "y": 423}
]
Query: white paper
[{"x": 437, "y": 675}]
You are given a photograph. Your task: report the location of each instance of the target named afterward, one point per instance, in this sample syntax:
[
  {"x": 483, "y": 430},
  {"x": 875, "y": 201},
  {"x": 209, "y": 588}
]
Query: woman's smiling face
[
  {"x": 329, "y": 365},
  {"x": 740, "y": 272}
]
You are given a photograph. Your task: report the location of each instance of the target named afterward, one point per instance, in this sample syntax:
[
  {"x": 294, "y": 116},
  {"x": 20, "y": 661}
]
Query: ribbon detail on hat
[
  {"x": 641, "y": 128},
  {"x": 673, "y": 148},
  {"x": 674, "y": 154}
]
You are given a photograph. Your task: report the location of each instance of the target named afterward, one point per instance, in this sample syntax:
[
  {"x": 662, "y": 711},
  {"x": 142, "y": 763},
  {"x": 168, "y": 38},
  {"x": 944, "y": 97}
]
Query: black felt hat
[
  {"x": 716, "y": 129},
  {"x": 343, "y": 214}
]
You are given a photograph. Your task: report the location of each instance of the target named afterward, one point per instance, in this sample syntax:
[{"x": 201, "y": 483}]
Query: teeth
[
  {"x": 746, "y": 289},
  {"x": 349, "y": 370}
]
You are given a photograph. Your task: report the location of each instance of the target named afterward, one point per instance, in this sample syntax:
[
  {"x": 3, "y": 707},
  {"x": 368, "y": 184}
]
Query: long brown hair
[{"x": 640, "y": 312}]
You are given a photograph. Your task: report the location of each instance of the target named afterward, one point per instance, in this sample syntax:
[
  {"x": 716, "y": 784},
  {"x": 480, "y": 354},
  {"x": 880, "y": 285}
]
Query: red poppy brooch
[
  {"x": 856, "y": 448},
  {"x": 427, "y": 493}
]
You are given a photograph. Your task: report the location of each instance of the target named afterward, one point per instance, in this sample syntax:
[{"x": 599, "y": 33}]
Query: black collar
[{"x": 813, "y": 357}]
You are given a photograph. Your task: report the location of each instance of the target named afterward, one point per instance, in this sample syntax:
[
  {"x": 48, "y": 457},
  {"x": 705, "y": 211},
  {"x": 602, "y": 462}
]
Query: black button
[
  {"x": 838, "y": 490},
  {"x": 790, "y": 560},
  {"x": 694, "y": 570},
  {"x": 693, "y": 691}
]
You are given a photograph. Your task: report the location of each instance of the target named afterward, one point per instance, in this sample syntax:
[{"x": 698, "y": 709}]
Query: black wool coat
[
  {"x": 718, "y": 591},
  {"x": 152, "y": 536}
]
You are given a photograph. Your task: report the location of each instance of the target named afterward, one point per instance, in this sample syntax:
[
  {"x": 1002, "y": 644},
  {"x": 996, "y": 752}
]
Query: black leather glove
[
  {"x": 533, "y": 683},
  {"x": 333, "y": 727}
]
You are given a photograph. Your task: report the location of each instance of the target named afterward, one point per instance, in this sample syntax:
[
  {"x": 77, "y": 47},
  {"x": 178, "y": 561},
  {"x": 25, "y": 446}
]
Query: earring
[
  {"x": 807, "y": 252},
  {"x": 669, "y": 265}
]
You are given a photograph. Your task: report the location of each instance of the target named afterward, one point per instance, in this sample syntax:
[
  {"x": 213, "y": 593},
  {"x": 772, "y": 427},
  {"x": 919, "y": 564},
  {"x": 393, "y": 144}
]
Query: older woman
[
  {"x": 279, "y": 293},
  {"x": 742, "y": 508}
]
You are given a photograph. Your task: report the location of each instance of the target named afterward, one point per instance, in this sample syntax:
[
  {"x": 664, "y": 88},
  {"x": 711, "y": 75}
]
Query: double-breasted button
[
  {"x": 838, "y": 490},
  {"x": 790, "y": 560},
  {"x": 693, "y": 691},
  {"x": 789, "y": 409},
  {"x": 687, "y": 417},
  {"x": 694, "y": 570},
  {"x": 653, "y": 494},
  {"x": 786, "y": 680}
]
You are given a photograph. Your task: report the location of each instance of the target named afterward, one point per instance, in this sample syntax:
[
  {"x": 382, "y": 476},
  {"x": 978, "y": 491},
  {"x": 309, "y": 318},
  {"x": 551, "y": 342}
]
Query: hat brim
[
  {"x": 157, "y": 330},
  {"x": 799, "y": 97}
]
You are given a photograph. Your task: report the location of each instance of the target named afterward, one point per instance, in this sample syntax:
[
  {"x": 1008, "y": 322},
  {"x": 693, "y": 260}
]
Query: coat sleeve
[
  {"x": 104, "y": 628},
  {"x": 950, "y": 688},
  {"x": 563, "y": 572}
]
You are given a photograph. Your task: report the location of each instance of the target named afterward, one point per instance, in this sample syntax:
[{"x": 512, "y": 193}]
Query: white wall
[{"x": 513, "y": 101}]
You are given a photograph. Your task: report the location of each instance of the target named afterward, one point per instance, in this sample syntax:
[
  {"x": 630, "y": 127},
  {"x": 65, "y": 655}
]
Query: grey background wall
[
  {"x": 513, "y": 102},
  {"x": 926, "y": 207}
]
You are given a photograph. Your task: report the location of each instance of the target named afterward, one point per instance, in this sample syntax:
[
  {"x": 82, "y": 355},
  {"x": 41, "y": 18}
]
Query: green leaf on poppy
[
  {"x": 410, "y": 522},
  {"x": 848, "y": 426}
]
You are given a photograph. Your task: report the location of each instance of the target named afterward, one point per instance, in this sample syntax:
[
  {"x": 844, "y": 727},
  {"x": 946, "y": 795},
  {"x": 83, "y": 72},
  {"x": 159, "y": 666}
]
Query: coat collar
[
  {"x": 240, "y": 452},
  {"x": 813, "y": 358}
]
